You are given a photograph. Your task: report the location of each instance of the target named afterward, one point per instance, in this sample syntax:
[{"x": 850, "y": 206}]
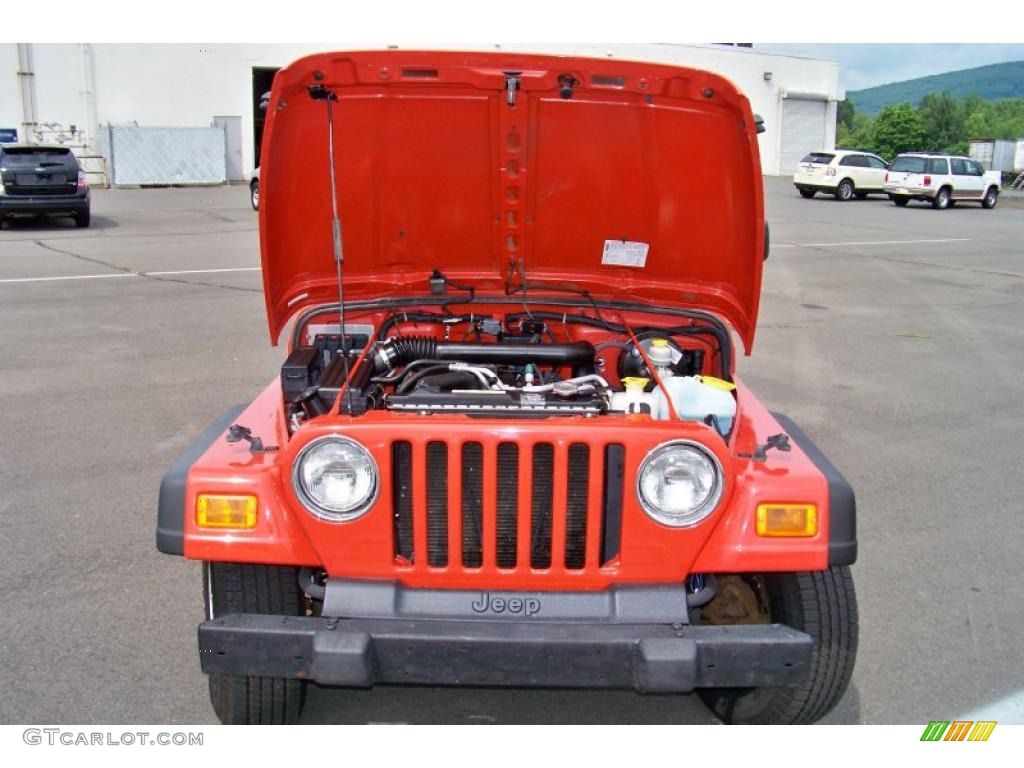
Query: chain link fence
[{"x": 166, "y": 156}]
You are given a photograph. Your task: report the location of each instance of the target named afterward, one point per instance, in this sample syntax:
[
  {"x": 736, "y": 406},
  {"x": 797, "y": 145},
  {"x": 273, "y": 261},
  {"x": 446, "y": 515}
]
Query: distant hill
[{"x": 994, "y": 81}]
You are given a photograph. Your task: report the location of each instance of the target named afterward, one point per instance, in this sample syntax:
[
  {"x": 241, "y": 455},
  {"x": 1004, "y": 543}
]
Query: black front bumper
[{"x": 645, "y": 657}]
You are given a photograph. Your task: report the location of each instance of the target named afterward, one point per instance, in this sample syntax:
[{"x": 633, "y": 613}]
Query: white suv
[
  {"x": 943, "y": 180},
  {"x": 844, "y": 173}
]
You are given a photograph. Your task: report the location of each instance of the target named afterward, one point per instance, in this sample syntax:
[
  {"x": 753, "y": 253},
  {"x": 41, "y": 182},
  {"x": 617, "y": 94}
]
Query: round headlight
[
  {"x": 335, "y": 478},
  {"x": 679, "y": 484}
]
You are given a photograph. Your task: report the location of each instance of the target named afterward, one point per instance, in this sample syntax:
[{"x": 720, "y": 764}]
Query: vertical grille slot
[
  {"x": 472, "y": 505},
  {"x": 437, "y": 504},
  {"x": 401, "y": 494},
  {"x": 541, "y": 505},
  {"x": 611, "y": 513},
  {"x": 577, "y": 487},
  {"x": 508, "y": 504}
]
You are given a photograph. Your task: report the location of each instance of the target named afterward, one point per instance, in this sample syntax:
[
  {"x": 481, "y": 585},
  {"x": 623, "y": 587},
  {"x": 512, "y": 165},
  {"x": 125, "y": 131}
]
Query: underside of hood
[{"x": 632, "y": 181}]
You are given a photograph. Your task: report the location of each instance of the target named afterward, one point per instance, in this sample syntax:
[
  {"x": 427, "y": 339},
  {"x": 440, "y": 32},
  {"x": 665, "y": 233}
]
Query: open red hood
[{"x": 473, "y": 163}]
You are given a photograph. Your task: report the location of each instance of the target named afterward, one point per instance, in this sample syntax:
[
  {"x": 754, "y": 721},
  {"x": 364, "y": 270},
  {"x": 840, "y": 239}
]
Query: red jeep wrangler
[{"x": 508, "y": 446}]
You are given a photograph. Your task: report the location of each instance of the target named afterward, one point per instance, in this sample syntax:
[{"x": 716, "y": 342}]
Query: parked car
[
  {"x": 941, "y": 179},
  {"x": 254, "y": 190},
  {"x": 844, "y": 173},
  {"x": 41, "y": 180},
  {"x": 508, "y": 446}
]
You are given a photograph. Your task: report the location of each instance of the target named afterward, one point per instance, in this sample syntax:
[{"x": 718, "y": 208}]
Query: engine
[{"x": 513, "y": 367}]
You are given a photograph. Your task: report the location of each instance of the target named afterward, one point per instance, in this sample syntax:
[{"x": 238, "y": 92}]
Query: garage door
[{"x": 803, "y": 131}]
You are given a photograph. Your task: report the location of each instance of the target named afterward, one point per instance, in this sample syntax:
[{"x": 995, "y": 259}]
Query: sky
[
  {"x": 413, "y": 22},
  {"x": 869, "y": 64}
]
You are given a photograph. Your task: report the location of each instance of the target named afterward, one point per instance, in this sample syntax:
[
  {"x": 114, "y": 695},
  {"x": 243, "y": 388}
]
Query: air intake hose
[{"x": 399, "y": 350}]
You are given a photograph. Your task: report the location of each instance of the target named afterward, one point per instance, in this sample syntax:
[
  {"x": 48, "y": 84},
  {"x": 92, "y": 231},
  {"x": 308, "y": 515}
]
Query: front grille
[{"x": 479, "y": 511}]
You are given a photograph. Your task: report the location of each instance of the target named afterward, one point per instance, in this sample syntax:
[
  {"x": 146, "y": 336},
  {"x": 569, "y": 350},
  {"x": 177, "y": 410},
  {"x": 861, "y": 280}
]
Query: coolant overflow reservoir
[
  {"x": 696, "y": 398},
  {"x": 633, "y": 399}
]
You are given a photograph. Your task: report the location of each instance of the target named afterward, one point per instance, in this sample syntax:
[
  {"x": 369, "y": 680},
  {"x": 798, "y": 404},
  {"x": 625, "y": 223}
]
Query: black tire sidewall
[
  {"x": 264, "y": 589},
  {"x": 834, "y": 632},
  {"x": 845, "y": 190}
]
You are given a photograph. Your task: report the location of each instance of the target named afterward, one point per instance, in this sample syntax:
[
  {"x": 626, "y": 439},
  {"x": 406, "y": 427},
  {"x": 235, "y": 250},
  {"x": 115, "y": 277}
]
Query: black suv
[{"x": 37, "y": 180}]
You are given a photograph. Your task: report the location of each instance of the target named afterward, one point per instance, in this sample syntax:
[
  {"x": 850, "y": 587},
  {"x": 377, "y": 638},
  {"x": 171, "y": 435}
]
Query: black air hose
[{"x": 399, "y": 350}]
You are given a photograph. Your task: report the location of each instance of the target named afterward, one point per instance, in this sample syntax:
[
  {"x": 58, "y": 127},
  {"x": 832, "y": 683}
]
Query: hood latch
[{"x": 512, "y": 83}]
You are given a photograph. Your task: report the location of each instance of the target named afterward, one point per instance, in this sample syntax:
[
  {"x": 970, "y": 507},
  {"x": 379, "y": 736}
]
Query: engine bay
[{"x": 513, "y": 364}]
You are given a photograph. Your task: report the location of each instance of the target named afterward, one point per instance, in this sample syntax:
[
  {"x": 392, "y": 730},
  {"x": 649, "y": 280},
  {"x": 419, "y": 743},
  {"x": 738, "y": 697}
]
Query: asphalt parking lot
[{"x": 892, "y": 336}]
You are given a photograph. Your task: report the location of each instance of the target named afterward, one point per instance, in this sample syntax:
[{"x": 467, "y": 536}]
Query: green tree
[
  {"x": 979, "y": 125},
  {"x": 1007, "y": 117},
  {"x": 858, "y": 135},
  {"x": 845, "y": 113},
  {"x": 943, "y": 119},
  {"x": 898, "y": 129}
]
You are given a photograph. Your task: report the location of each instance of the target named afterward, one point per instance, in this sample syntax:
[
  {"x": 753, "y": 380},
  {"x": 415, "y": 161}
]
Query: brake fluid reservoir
[
  {"x": 660, "y": 353},
  {"x": 633, "y": 399},
  {"x": 697, "y": 397}
]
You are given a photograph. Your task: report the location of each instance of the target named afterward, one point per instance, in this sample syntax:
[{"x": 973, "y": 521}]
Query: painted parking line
[
  {"x": 775, "y": 246},
  {"x": 203, "y": 271},
  {"x": 65, "y": 277},
  {"x": 127, "y": 274},
  {"x": 872, "y": 242}
]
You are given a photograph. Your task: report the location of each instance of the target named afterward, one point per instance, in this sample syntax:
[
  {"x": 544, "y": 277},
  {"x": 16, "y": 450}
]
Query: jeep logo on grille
[{"x": 488, "y": 603}]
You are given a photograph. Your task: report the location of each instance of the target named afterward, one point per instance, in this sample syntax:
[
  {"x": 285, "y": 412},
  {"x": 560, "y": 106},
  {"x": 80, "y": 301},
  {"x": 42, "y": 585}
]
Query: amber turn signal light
[
  {"x": 222, "y": 511},
  {"x": 787, "y": 520}
]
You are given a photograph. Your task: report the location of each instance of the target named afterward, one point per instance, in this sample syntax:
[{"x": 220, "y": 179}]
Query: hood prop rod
[{"x": 318, "y": 92}]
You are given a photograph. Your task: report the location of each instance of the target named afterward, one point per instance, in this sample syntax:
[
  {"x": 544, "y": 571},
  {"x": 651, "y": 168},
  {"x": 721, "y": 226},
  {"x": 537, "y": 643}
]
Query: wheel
[
  {"x": 824, "y": 605},
  {"x": 272, "y": 589},
  {"x": 941, "y": 199},
  {"x": 82, "y": 218},
  {"x": 991, "y": 198},
  {"x": 254, "y": 194},
  {"x": 845, "y": 190},
  {"x": 807, "y": 193},
  {"x": 900, "y": 200}
]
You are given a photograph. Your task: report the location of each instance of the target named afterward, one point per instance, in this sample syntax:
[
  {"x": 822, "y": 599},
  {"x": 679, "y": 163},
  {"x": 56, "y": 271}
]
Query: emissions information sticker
[{"x": 624, "y": 253}]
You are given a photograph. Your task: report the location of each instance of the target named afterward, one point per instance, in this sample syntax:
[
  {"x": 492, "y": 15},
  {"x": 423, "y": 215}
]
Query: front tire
[
  {"x": 942, "y": 199},
  {"x": 991, "y": 198},
  {"x": 845, "y": 191},
  {"x": 269, "y": 589},
  {"x": 824, "y": 605}
]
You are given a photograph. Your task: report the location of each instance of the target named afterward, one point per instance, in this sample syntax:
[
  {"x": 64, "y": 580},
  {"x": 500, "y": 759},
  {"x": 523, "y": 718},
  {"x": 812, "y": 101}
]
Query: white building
[{"x": 45, "y": 89}]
